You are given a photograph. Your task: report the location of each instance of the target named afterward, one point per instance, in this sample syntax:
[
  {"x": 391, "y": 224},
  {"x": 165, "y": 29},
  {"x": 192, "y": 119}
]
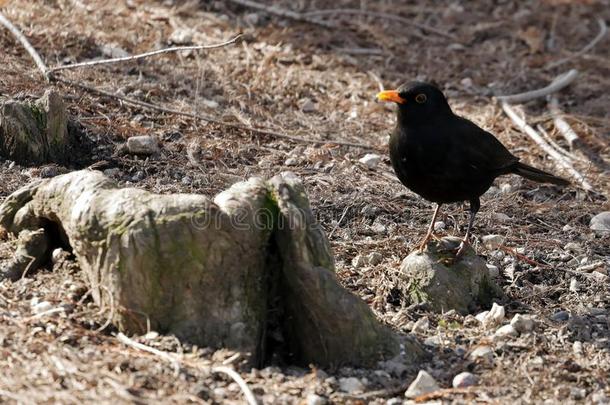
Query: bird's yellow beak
[{"x": 390, "y": 95}]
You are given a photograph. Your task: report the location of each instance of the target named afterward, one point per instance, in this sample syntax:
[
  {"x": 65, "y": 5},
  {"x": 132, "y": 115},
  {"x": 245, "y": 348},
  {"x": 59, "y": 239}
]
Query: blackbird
[{"x": 446, "y": 158}]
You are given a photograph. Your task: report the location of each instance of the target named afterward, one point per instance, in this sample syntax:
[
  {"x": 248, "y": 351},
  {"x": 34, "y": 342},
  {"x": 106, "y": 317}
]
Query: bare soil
[{"x": 303, "y": 79}]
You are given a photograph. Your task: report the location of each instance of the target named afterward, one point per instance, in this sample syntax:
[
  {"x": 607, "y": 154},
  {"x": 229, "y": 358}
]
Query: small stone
[
  {"x": 49, "y": 171},
  {"x": 394, "y": 401},
  {"x": 574, "y": 285},
  {"x": 506, "y": 330},
  {"x": 577, "y": 347},
  {"x": 599, "y": 277},
  {"x": 351, "y": 385},
  {"x": 41, "y": 307},
  {"x": 509, "y": 271},
  {"x": 378, "y": 228},
  {"x": 152, "y": 335},
  {"x": 481, "y": 316},
  {"x": 567, "y": 228},
  {"x": 578, "y": 393},
  {"x": 492, "y": 242},
  {"x": 439, "y": 226},
  {"x": 466, "y": 82},
  {"x": 493, "y": 271},
  {"x": 432, "y": 341},
  {"x": 560, "y": 316},
  {"x": 181, "y": 36},
  {"x": 394, "y": 366},
  {"x": 186, "y": 181},
  {"x": 114, "y": 172},
  {"x": 500, "y": 217},
  {"x": 506, "y": 188},
  {"x": 421, "y": 325},
  {"x": 58, "y": 255},
  {"x": 308, "y": 106},
  {"x": 291, "y": 162},
  {"x": 142, "y": 145},
  {"x": 113, "y": 51},
  {"x": 313, "y": 399},
  {"x": 483, "y": 353},
  {"x": 370, "y": 160},
  {"x": 599, "y": 398},
  {"x": 424, "y": 383},
  {"x": 374, "y": 258},
  {"x": 572, "y": 247},
  {"x": 358, "y": 262},
  {"x": 494, "y": 317},
  {"x": 464, "y": 380},
  {"x": 522, "y": 323},
  {"x": 601, "y": 223}
]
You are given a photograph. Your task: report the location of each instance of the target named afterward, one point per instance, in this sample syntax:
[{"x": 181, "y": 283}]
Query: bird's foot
[
  {"x": 462, "y": 248},
  {"x": 422, "y": 245}
]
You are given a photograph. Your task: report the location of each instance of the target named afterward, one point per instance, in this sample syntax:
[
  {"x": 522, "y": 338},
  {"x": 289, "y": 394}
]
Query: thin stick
[
  {"x": 281, "y": 12},
  {"x": 531, "y": 132},
  {"x": 385, "y": 16},
  {"x": 559, "y": 83},
  {"x": 558, "y": 147},
  {"x": 603, "y": 29},
  {"x": 26, "y": 44},
  {"x": 250, "y": 398},
  {"x": 562, "y": 126},
  {"x": 210, "y": 119},
  {"x": 145, "y": 55},
  {"x": 139, "y": 346}
]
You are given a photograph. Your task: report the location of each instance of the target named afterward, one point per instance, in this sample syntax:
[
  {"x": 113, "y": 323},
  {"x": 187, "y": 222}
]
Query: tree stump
[{"x": 251, "y": 270}]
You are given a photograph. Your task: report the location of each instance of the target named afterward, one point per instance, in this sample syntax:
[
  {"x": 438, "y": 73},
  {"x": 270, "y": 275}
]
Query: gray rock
[
  {"x": 308, "y": 106},
  {"x": 370, "y": 160},
  {"x": 424, "y": 383},
  {"x": 437, "y": 278},
  {"x": 506, "y": 331},
  {"x": 494, "y": 317},
  {"x": 482, "y": 353},
  {"x": 313, "y": 399},
  {"x": 359, "y": 261},
  {"x": 464, "y": 380},
  {"x": 492, "y": 242},
  {"x": 351, "y": 385},
  {"x": 291, "y": 162},
  {"x": 421, "y": 325},
  {"x": 601, "y": 223},
  {"x": 181, "y": 36},
  {"x": 494, "y": 271},
  {"x": 560, "y": 316},
  {"x": 374, "y": 258},
  {"x": 142, "y": 145},
  {"x": 522, "y": 323}
]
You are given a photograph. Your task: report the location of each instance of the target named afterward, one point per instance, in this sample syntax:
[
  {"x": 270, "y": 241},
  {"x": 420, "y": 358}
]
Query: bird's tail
[{"x": 538, "y": 175}]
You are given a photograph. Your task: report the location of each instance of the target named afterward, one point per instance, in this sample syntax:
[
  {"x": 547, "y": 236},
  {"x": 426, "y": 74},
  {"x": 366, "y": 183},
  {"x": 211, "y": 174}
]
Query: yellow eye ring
[{"x": 421, "y": 98}]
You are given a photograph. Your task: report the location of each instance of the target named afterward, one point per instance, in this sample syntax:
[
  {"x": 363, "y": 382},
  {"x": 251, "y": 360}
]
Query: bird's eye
[{"x": 421, "y": 98}]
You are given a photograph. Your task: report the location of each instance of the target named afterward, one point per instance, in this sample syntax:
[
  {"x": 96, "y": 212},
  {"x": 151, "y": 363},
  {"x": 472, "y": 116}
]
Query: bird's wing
[{"x": 480, "y": 149}]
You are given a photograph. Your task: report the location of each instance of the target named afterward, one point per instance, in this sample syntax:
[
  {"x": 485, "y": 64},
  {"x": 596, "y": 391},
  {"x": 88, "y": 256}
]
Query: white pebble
[
  {"x": 358, "y": 261},
  {"x": 421, "y": 325},
  {"x": 313, "y": 399},
  {"x": 439, "y": 226},
  {"x": 500, "y": 217},
  {"x": 464, "y": 380},
  {"x": 351, "y": 385},
  {"x": 483, "y": 353},
  {"x": 41, "y": 307},
  {"x": 506, "y": 330},
  {"x": 574, "y": 285},
  {"x": 374, "y": 258},
  {"x": 577, "y": 347},
  {"x": 494, "y": 317},
  {"x": 370, "y": 160},
  {"x": 492, "y": 242},
  {"x": 424, "y": 383},
  {"x": 522, "y": 323}
]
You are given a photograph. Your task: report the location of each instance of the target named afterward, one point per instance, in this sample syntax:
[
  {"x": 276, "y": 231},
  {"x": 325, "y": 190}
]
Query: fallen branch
[
  {"x": 144, "y": 55},
  {"x": 603, "y": 29},
  {"x": 385, "y": 16},
  {"x": 175, "y": 362},
  {"x": 559, "y": 83},
  {"x": 562, "y": 126},
  {"x": 557, "y": 147},
  {"x": 26, "y": 44},
  {"x": 539, "y": 140},
  {"x": 201, "y": 117}
]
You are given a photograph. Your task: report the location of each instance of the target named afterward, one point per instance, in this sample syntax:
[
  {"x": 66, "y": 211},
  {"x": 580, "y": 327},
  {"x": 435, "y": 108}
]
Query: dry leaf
[{"x": 533, "y": 37}]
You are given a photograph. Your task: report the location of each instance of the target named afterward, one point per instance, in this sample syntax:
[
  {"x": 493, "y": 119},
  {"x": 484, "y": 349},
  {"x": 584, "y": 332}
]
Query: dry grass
[{"x": 266, "y": 81}]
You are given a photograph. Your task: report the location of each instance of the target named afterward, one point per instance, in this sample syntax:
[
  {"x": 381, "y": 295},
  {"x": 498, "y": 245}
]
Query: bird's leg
[
  {"x": 430, "y": 232},
  {"x": 475, "y": 204}
]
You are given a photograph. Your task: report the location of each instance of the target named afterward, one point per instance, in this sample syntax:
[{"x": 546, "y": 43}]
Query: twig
[
  {"x": 521, "y": 257},
  {"x": 145, "y": 55},
  {"x": 531, "y": 132},
  {"x": 603, "y": 29},
  {"x": 590, "y": 267},
  {"x": 281, "y": 12},
  {"x": 562, "y": 126},
  {"x": 385, "y": 16},
  {"x": 210, "y": 119},
  {"x": 330, "y": 235},
  {"x": 250, "y": 398},
  {"x": 559, "y": 83},
  {"x": 558, "y": 147},
  {"x": 26, "y": 44}
]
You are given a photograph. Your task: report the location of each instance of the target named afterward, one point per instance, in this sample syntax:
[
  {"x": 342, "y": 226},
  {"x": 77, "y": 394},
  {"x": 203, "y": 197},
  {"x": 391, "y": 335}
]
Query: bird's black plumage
[{"x": 446, "y": 158}]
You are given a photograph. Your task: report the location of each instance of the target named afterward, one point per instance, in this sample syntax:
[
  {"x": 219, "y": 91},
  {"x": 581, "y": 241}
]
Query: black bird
[{"x": 446, "y": 158}]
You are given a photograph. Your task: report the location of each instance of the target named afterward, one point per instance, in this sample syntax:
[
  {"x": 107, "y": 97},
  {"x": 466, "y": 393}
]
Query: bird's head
[{"x": 417, "y": 101}]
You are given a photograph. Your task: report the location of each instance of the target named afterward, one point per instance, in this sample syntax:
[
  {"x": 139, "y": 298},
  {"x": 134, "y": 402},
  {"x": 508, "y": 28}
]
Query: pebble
[
  {"x": 378, "y": 228},
  {"x": 600, "y": 398},
  {"x": 577, "y": 347},
  {"x": 421, "y": 325},
  {"x": 181, "y": 36},
  {"x": 500, "y": 217},
  {"x": 424, "y": 383},
  {"x": 439, "y": 226},
  {"x": 358, "y": 261},
  {"x": 351, "y": 385},
  {"x": 492, "y": 242},
  {"x": 308, "y": 106},
  {"x": 574, "y": 285},
  {"x": 567, "y": 228},
  {"x": 370, "y": 160},
  {"x": 41, "y": 307},
  {"x": 394, "y": 366},
  {"x": 313, "y": 399},
  {"x": 114, "y": 172},
  {"x": 494, "y": 317},
  {"x": 464, "y": 380},
  {"x": 572, "y": 247},
  {"x": 394, "y": 401},
  {"x": 505, "y": 188},
  {"x": 560, "y": 316},
  {"x": 506, "y": 330},
  {"x": 578, "y": 393},
  {"x": 481, "y": 316},
  {"x": 493, "y": 271},
  {"x": 601, "y": 223},
  {"x": 374, "y": 258},
  {"x": 291, "y": 162},
  {"x": 58, "y": 255},
  {"x": 142, "y": 145},
  {"x": 522, "y": 323},
  {"x": 49, "y": 171},
  {"x": 432, "y": 341},
  {"x": 482, "y": 352}
]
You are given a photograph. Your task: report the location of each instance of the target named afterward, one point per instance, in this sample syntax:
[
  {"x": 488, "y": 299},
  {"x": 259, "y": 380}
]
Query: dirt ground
[{"x": 303, "y": 79}]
